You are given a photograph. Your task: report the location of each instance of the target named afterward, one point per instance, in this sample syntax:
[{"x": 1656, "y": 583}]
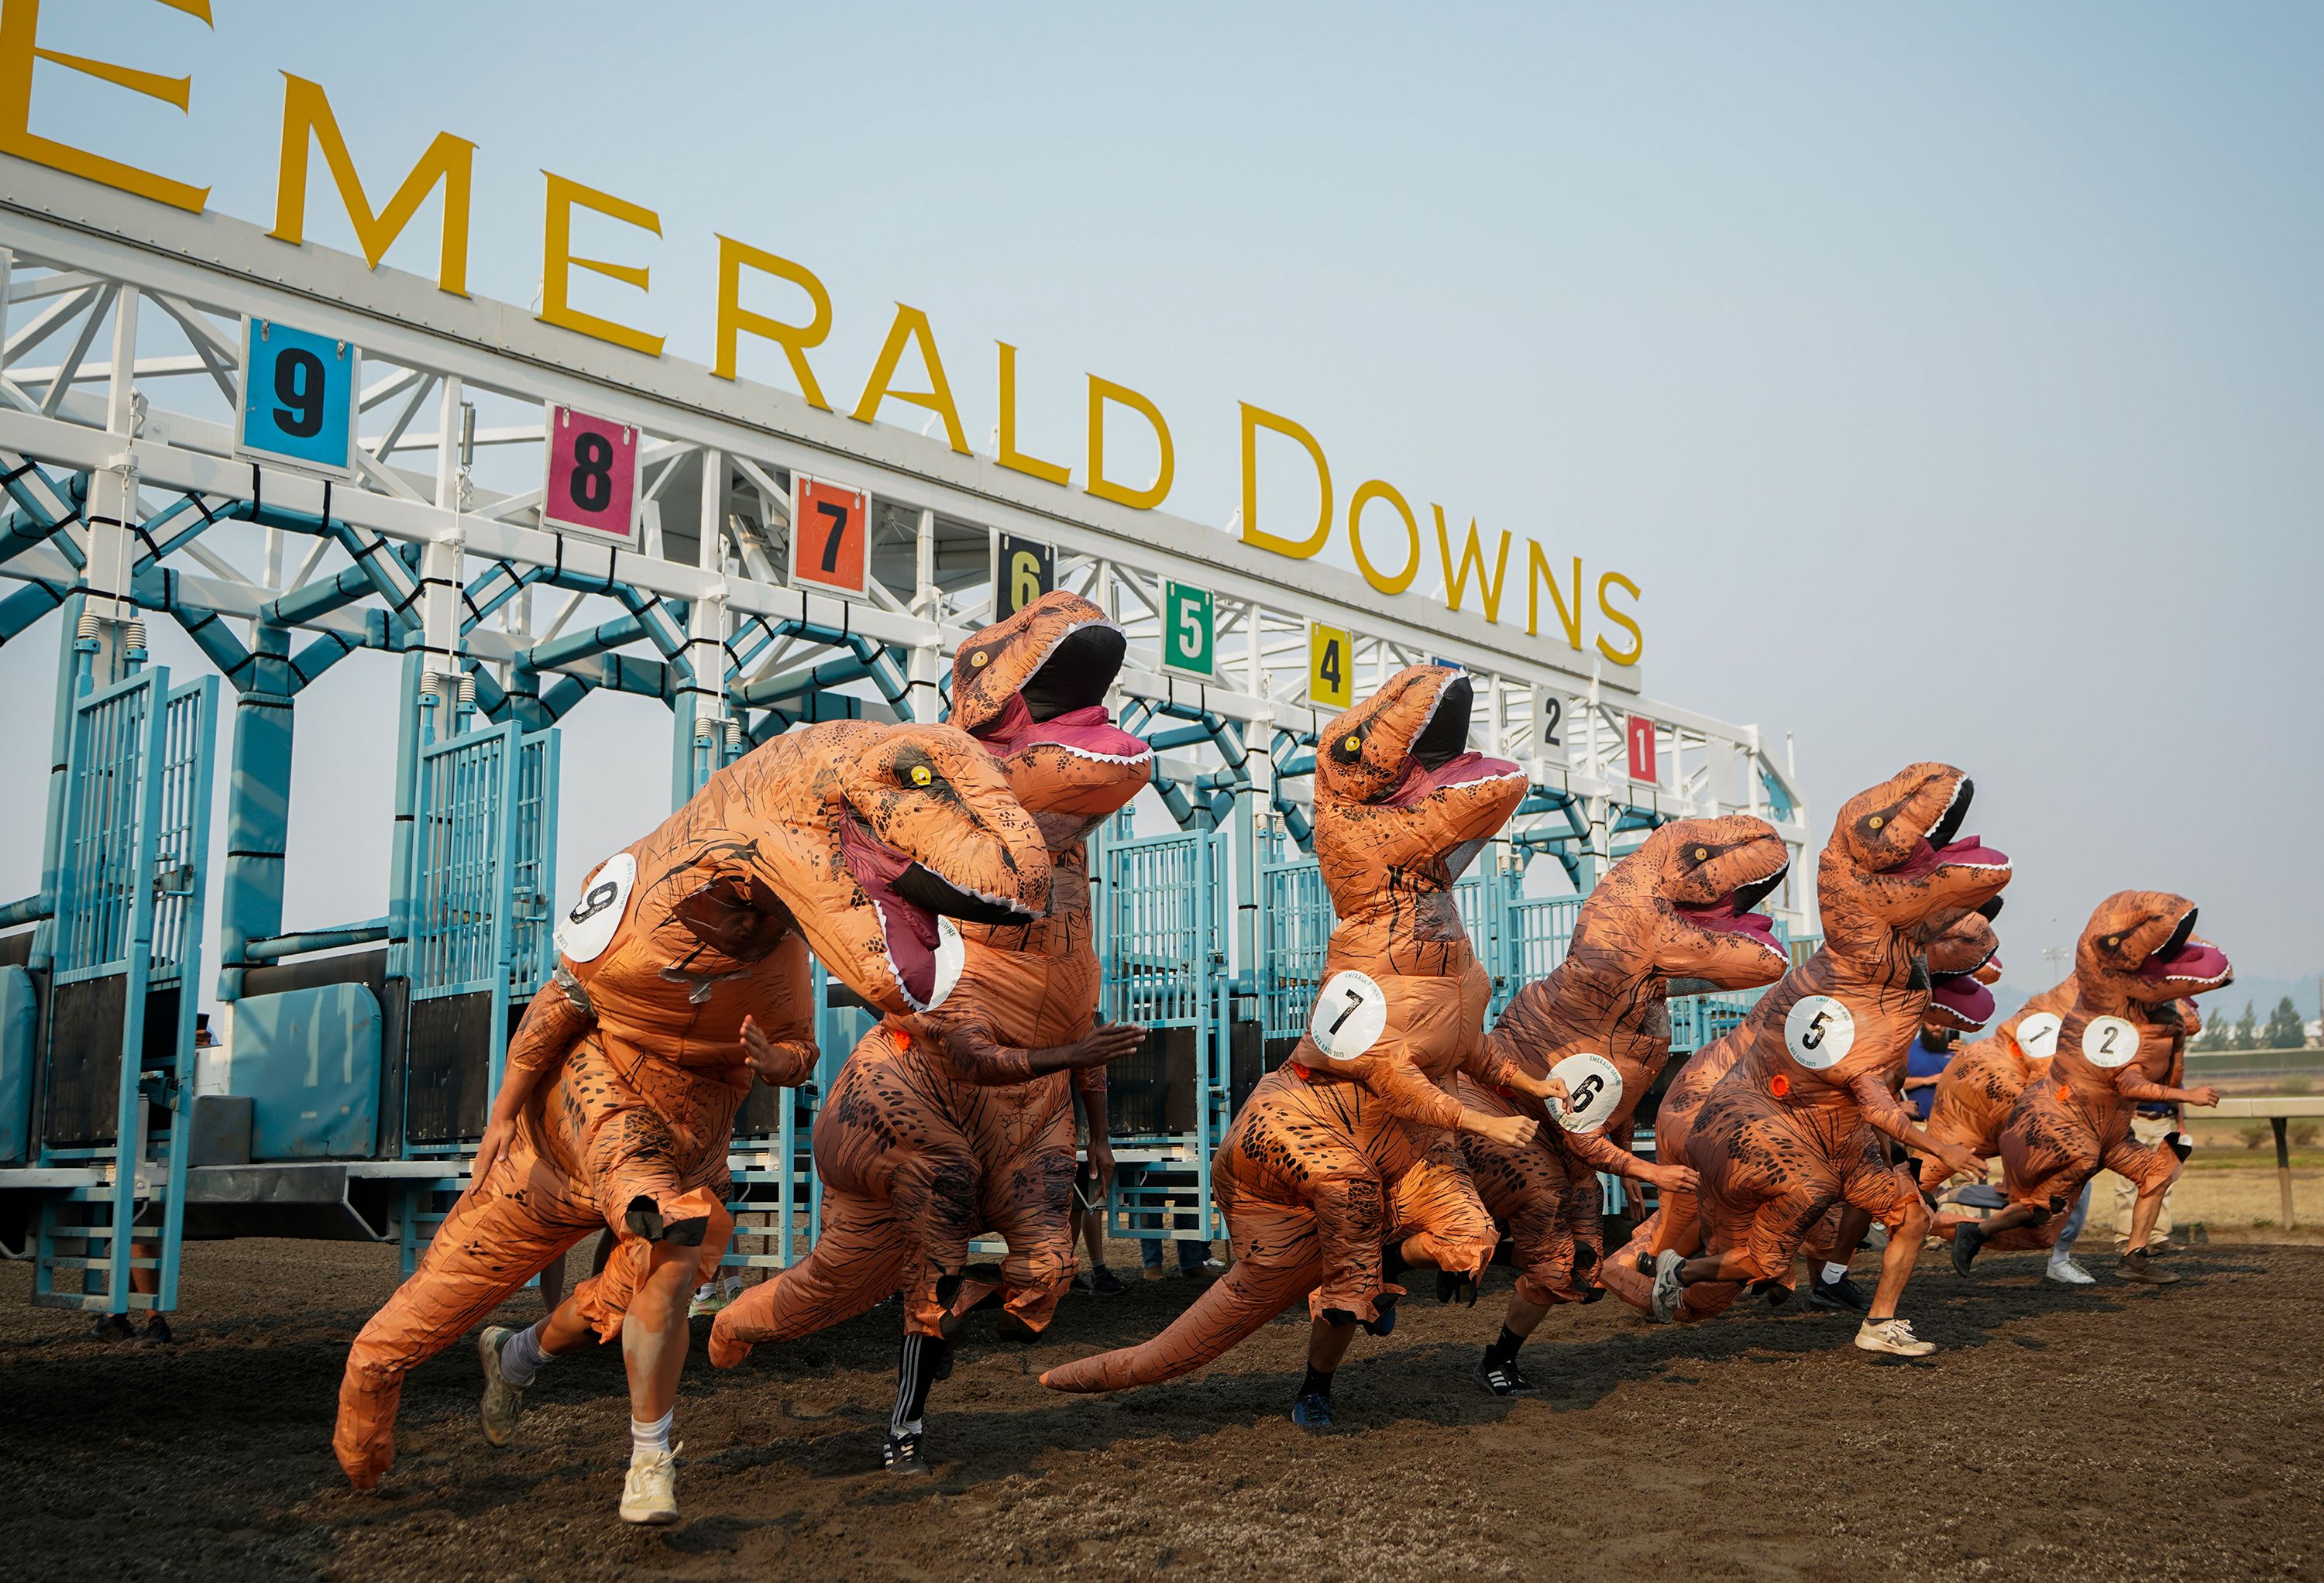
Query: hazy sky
[{"x": 1952, "y": 381}]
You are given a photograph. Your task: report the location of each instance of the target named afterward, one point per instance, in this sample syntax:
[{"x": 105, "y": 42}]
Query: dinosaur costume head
[
  {"x": 1031, "y": 690},
  {"x": 1963, "y": 959},
  {"x": 924, "y": 826},
  {"x": 1689, "y": 889},
  {"x": 1396, "y": 787},
  {"x": 1896, "y": 863},
  {"x": 2140, "y": 949}
]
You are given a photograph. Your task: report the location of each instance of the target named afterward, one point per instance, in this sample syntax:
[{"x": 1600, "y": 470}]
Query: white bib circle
[
  {"x": 584, "y": 933},
  {"x": 2037, "y": 1036},
  {"x": 2109, "y": 1041},
  {"x": 1819, "y": 1032},
  {"x": 1593, "y": 1089},
  {"x": 952, "y": 956},
  {"x": 1350, "y": 1016}
]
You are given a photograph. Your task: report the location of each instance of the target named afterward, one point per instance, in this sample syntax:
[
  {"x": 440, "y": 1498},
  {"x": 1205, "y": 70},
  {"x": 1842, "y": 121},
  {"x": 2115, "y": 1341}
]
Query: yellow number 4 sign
[{"x": 1331, "y": 665}]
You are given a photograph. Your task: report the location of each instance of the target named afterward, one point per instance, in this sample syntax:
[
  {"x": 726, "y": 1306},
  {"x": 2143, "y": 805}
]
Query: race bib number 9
[
  {"x": 2109, "y": 1041},
  {"x": 1819, "y": 1032},
  {"x": 1593, "y": 1092},
  {"x": 1350, "y": 1016},
  {"x": 587, "y": 928},
  {"x": 2037, "y": 1036}
]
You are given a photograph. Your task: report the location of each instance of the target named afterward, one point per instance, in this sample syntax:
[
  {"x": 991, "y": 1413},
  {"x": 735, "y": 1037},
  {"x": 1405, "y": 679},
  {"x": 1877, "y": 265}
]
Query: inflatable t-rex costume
[
  {"x": 1978, "y": 1090},
  {"x": 943, "y": 1127},
  {"x": 849, "y": 839},
  {"x": 1788, "y": 1124},
  {"x": 1677, "y": 907},
  {"x": 2122, "y": 1042},
  {"x": 1348, "y": 1143}
]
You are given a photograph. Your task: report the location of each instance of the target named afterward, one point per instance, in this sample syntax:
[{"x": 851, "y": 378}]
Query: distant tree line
[{"x": 2284, "y": 1030}]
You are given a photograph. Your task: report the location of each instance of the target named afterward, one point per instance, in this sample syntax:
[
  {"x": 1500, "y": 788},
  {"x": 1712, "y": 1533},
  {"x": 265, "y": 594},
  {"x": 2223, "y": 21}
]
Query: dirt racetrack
[{"x": 2116, "y": 1432}]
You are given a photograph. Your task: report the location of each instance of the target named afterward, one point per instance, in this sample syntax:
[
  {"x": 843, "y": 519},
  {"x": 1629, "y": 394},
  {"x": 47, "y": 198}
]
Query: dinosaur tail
[{"x": 1234, "y": 1306}]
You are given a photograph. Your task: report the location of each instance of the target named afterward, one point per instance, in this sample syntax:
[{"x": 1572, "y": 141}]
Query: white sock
[
  {"x": 1834, "y": 1273},
  {"x": 521, "y": 1357},
  {"x": 651, "y": 1437}
]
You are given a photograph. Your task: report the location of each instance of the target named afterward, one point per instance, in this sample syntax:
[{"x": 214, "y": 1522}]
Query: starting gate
[{"x": 118, "y": 1064}]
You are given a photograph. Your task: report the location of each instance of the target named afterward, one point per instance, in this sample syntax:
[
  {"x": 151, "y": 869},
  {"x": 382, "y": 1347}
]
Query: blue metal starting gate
[{"x": 127, "y": 953}]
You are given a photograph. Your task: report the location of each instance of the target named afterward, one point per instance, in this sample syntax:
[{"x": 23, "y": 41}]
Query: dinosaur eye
[
  {"x": 1876, "y": 822},
  {"x": 1354, "y": 745},
  {"x": 2113, "y": 941},
  {"x": 921, "y": 775},
  {"x": 979, "y": 660},
  {"x": 1701, "y": 854}
]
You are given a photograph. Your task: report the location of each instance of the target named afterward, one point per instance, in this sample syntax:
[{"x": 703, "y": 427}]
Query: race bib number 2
[
  {"x": 1350, "y": 1016},
  {"x": 2109, "y": 1042},
  {"x": 1819, "y": 1032},
  {"x": 587, "y": 926}
]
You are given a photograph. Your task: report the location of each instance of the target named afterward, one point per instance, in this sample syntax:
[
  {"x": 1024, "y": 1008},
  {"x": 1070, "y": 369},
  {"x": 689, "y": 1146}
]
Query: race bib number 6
[
  {"x": 1819, "y": 1032},
  {"x": 1350, "y": 1016},
  {"x": 587, "y": 927},
  {"x": 1594, "y": 1091},
  {"x": 2109, "y": 1041}
]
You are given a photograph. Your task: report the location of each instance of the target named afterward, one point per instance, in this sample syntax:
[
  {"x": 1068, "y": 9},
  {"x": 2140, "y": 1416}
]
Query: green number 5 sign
[{"x": 1186, "y": 629}]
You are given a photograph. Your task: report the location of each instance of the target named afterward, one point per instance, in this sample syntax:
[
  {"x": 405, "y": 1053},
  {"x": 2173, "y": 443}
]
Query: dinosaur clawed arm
[{"x": 559, "y": 1017}]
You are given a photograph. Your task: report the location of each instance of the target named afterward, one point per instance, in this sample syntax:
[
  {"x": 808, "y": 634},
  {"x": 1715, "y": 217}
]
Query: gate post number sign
[
  {"x": 1023, "y": 569},
  {"x": 1642, "y": 750},
  {"x": 1188, "y": 629},
  {"x": 592, "y": 485},
  {"x": 831, "y": 536},
  {"x": 297, "y": 398},
  {"x": 1331, "y": 665}
]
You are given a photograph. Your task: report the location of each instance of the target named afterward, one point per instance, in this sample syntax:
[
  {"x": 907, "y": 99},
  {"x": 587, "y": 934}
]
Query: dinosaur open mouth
[
  {"x": 2184, "y": 959},
  {"x": 1439, "y": 759},
  {"x": 1080, "y": 666},
  {"x": 1939, "y": 849},
  {"x": 1731, "y": 913},
  {"x": 1958, "y": 1001},
  {"x": 908, "y": 898},
  {"x": 1087, "y": 733}
]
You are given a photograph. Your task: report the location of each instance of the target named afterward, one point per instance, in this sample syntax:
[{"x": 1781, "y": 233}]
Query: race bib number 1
[
  {"x": 1819, "y": 1032},
  {"x": 2037, "y": 1034},
  {"x": 587, "y": 928},
  {"x": 1594, "y": 1091},
  {"x": 1350, "y": 1016},
  {"x": 2109, "y": 1041}
]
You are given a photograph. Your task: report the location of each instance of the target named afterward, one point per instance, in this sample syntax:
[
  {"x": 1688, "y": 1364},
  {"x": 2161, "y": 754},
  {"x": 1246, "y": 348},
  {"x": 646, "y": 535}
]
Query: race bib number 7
[{"x": 1350, "y": 1016}]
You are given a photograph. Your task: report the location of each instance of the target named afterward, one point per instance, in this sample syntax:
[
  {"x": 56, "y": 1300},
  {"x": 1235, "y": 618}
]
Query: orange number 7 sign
[{"x": 831, "y": 527}]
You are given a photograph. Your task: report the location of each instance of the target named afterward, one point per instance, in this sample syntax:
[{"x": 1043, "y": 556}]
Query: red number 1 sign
[
  {"x": 831, "y": 527},
  {"x": 592, "y": 485},
  {"x": 1642, "y": 749}
]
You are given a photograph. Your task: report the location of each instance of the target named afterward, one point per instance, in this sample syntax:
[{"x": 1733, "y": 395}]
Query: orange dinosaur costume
[
  {"x": 1348, "y": 1144},
  {"x": 1980, "y": 1087},
  {"x": 2123, "y": 1042},
  {"x": 943, "y": 1127},
  {"x": 1677, "y": 907},
  {"x": 850, "y": 839},
  {"x": 1790, "y": 1123}
]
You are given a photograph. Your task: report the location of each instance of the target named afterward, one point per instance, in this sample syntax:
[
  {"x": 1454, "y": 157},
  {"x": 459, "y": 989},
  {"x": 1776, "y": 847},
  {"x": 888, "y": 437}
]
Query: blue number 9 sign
[{"x": 298, "y": 398}]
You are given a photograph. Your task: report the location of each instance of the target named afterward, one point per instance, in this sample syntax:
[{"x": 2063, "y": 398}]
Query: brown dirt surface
[{"x": 2107, "y": 1432}]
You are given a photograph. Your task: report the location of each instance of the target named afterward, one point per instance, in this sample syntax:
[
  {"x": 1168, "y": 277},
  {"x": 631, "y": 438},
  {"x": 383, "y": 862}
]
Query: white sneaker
[
  {"x": 1891, "y": 1336},
  {"x": 2067, "y": 1272},
  {"x": 1668, "y": 1292},
  {"x": 650, "y": 1493}
]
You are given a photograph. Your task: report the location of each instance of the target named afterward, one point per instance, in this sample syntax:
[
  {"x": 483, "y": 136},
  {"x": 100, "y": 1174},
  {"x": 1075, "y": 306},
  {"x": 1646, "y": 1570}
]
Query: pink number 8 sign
[{"x": 592, "y": 485}]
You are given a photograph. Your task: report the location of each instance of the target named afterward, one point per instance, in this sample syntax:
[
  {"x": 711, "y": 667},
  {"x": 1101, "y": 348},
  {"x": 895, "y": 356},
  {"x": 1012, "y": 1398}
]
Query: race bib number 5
[
  {"x": 1819, "y": 1032},
  {"x": 587, "y": 928},
  {"x": 1350, "y": 1016}
]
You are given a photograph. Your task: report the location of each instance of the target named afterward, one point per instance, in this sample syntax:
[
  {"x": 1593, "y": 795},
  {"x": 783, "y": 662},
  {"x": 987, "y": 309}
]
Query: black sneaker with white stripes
[
  {"x": 1503, "y": 1378},
  {"x": 902, "y": 1454}
]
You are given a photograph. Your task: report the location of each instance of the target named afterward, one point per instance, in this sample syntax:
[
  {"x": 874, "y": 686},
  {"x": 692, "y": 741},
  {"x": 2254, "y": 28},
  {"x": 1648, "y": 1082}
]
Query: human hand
[{"x": 1107, "y": 1041}]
